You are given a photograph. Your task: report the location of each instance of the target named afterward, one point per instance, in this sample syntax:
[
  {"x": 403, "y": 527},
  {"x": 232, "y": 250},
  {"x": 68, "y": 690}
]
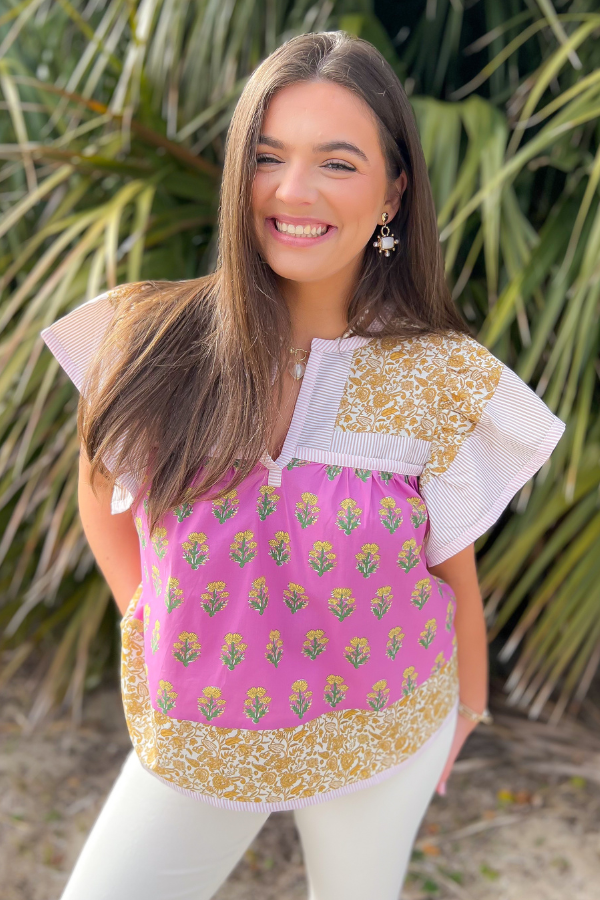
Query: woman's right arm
[{"x": 113, "y": 539}]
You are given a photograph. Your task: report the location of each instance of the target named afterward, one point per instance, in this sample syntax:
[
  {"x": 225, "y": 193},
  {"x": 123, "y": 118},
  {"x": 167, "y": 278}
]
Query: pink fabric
[{"x": 231, "y": 582}]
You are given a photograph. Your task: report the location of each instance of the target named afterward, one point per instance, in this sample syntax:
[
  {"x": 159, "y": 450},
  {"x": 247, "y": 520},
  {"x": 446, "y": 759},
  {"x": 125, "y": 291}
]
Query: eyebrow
[{"x": 318, "y": 148}]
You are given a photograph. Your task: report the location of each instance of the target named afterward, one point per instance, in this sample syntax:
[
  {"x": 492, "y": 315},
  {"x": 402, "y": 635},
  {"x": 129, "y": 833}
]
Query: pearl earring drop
[{"x": 386, "y": 240}]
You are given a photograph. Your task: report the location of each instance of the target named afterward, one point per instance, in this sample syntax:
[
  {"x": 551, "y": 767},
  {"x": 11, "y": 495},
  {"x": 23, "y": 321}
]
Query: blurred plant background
[{"x": 113, "y": 115}]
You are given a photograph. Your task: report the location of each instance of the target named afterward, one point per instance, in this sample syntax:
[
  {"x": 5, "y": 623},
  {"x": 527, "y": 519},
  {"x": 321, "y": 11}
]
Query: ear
[{"x": 394, "y": 195}]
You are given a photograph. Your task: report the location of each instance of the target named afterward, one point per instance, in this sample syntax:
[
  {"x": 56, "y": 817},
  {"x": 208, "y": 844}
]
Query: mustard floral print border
[{"x": 339, "y": 748}]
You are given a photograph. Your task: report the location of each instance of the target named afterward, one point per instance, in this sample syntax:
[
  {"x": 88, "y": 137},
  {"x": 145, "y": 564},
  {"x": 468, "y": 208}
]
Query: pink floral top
[{"x": 288, "y": 642}]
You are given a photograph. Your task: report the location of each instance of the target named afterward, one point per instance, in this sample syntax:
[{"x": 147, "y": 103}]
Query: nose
[{"x": 295, "y": 186}]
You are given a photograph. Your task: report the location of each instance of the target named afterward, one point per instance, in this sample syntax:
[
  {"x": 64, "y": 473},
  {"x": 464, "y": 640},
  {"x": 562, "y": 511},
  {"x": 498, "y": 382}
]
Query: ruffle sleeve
[
  {"x": 74, "y": 340},
  {"x": 483, "y": 452}
]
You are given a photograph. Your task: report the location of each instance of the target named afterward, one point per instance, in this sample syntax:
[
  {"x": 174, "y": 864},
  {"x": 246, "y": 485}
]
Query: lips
[{"x": 299, "y": 232}]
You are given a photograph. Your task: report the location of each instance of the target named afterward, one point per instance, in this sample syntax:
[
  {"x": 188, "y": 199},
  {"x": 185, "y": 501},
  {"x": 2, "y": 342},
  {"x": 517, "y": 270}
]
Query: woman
[{"x": 291, "y": 460}]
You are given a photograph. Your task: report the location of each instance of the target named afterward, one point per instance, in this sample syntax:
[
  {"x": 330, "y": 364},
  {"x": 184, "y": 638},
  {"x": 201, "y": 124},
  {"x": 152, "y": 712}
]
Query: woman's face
[{"x": 321, "y": 185}]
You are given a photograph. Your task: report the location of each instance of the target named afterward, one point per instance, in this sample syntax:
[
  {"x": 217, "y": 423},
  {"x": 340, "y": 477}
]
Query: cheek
[{"x": 358, "y": 208}]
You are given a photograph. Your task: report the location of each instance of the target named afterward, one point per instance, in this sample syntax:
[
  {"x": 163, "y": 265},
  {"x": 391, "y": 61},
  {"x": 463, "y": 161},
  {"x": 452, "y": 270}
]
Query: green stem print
[
  {"x": 409, "y": 681},
  {"x": 187, "y": 648},
  {"x": 156, "y": 581},
  {"x": 159, "y": 541},
  {"x": 333, "y": 471},
  {"x": 386, "y": 476},
  {"x": 243, "y": 548},
  {"x": 335, "y": 690},
  {"x": 256, "y": 704},
  {"x": 295, "y": 597},
  {"x": 211, "y": 704},
  {"x": 418, "y": 515},
  {"x": 449, "y": 616},
  {"x": 232, "y": 651},
  {"x": 259, "y": 595},
  {"x": 341, "y": 603},
  {"x": 279, "y": 548},
  {"x": 274, "y": 650},
  {"x": 314, "y": 643},
  {"x": 378, "y": 697},
  {"x": 439, "y": 583},
  {"x": 382, "y": 601},
  {"x": 141, "y": 533},
  {"x": 174, "y": 595},
  {"x": 391, "y": 518},
  {"x": 358, "y": 651},
  {"x": 155, "y": 637},
  {"x": 421, "y": 593},
  {"x": 348, "y": 517},
  {"x": 267, "y": 501},
  {"x": 409, "y": 556},
  {"x": 295, "y": 463},
  {"x": 300, "y": 698},
  {"x": 166, "y": 696},
  {"x": 320, "y": 557},
  {"x": 428, "y": 633},
  {"x": 195, "y": 549},
  {"x": 183, "y": 511},
  {"x": 307, "y": 511},
  {"x": 363, "y": 474},
  {"x": 145, "y": 503},
  {"x": 225, "y": 507},
  {"x": 215, "y": 597},
  {"x": 394, "y": 644},
  {"x": 367, "y": 561}
]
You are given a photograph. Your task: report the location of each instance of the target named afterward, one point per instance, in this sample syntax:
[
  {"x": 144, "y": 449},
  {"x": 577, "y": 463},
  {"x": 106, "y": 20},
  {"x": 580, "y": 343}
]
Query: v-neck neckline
[{"x": 318, "y": 347}]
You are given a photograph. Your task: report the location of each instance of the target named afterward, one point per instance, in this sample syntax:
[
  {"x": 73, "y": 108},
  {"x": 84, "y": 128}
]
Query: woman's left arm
[{"x": 460, "y": 572}]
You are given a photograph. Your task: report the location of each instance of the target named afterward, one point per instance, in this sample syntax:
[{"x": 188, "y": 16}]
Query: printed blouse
[{"x": 288, "y": 641}]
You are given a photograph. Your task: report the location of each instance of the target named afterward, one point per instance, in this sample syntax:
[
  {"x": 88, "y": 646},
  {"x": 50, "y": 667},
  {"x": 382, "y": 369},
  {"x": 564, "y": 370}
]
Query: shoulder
[{"x": 448, "y": 363}]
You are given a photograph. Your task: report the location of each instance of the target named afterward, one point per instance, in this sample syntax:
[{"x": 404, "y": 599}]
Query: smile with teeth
[{"x": 301, "y": 230}]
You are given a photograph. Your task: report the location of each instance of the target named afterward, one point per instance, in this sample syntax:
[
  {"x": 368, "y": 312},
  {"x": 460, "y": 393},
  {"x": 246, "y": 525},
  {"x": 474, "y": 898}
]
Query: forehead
[{"x": 318, "y": 112}]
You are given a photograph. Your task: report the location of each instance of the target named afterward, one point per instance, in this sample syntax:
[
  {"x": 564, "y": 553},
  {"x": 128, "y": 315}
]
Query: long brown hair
[{"x": 183, "y": 380}]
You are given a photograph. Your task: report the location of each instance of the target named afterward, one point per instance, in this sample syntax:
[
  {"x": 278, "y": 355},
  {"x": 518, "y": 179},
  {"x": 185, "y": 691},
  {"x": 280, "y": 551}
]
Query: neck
[{"x": 319, "y": 308}]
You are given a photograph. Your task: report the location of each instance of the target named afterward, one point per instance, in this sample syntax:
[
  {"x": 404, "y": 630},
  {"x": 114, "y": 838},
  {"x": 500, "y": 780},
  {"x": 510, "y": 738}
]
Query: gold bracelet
[{"x": 470, "y": 714}]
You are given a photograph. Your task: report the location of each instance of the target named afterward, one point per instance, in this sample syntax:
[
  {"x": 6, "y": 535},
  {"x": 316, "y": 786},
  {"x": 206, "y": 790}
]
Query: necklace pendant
[{"x": 297, "y": 370}]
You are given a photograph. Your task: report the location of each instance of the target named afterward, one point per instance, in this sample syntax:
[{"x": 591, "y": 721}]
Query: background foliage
[{"x": 113, "y": 115}]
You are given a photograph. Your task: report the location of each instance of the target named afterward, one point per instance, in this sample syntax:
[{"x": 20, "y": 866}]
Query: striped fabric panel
[
  {"x": 382, "y": 446},
  {"x": 514, "y": 437},
  {"x": 73, "y": 340},
  {"x": 319, "y": 402}
]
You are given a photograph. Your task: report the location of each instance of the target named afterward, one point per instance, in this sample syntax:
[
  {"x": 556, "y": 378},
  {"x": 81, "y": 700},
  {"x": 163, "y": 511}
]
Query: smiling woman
[{"x": 297, "y": 634}]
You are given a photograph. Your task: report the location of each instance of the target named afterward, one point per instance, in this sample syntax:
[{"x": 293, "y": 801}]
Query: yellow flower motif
[
  {"x": 295, "y": 587},
  {"x": 309, "y": 498},
  {"x": 258, "y": 692},
  {"x": 388, "y": 503},
  {"x": 281, "y": 536},
  {"x": 300, "y": 685},
  {"x": 211, "y": 692},
  {"x": 216, "y": 585},
  {"x": 322, "y": 545},
  {"x": 370, "y": 548},
  {"x": 232, "y": 638},
  {"x": 380, "y": 685},
  {"x": 166, "y": 686},
  {"x": 318, "y": 634},
  {"x": 359, "y": 642},
  {"x": 395, "y": 632},
  {"x": 409, "y": 671},
  {"x": 195, "y": 536},
  {"x": 335, "y": 679},
  {"x": 274, "y": 635},
  {"x": 348, "y": 504},
  {"x": 266, "y": 489}
]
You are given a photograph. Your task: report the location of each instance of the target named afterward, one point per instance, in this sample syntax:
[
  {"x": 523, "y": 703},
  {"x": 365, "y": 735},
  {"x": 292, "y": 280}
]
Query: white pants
[{"x": 152, "y": 843}]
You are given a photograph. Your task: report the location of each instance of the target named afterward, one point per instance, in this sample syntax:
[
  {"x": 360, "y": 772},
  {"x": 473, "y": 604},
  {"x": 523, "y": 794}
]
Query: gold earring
[{"x": 386, "y": 240}]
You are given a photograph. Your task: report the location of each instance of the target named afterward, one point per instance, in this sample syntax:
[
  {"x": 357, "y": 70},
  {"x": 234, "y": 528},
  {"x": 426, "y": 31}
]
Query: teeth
[{"x": 304, "y": 230}]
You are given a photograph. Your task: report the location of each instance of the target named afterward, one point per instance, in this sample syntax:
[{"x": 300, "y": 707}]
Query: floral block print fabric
[
  {"x": 288, "y": 641},
  {"x": 271, "y": 606}
]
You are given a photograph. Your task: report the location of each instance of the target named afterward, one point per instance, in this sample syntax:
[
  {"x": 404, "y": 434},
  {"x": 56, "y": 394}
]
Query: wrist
[{"x": 474, "y": 716}]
